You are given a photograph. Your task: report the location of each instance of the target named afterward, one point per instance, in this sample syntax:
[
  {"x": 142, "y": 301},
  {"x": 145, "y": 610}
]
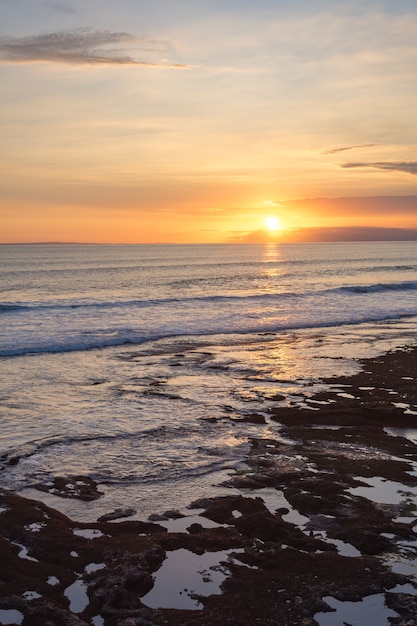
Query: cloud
[
  {"x": 83, "y": 46},
  {"x": 348, "y": 233},
  {"x": 355, "y": 233},
  {"x": 334, "y": 150},
  {"x": 361, "y": 206},
  {"x": 61, "y": 8},
  {"x": 400, "y": 166}
]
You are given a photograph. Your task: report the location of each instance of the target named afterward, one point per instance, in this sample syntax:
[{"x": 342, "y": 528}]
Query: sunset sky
[{"x": 195, "y": 120}]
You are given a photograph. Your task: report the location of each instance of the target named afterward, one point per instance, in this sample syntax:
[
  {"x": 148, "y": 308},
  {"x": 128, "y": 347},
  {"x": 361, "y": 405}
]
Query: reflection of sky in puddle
[
  {"x": 88, "y": 533},
  {"x": 406, "y": 406},
  {"x": 185, "y": 575},
  {"x": 23, "y": 554},
  {"x": 94, "y": 567},
  {"x": 407, "y": 588},
  {"x": 402, "y": 565},
  {"x": 77, "y": 595},
  {"x": 404, "y": 562},
  {"x": 408, "y": 433},
  {"x": 274, "y": 499},
  {"x": 343, "y": 548},
  {"x": 383, "y": 491},
  {"x": 10, "y": 616},
  {"x": 181, "y": 524},
  {"x": 371, "y": 610},
  {"x": 31, "y": 595}
]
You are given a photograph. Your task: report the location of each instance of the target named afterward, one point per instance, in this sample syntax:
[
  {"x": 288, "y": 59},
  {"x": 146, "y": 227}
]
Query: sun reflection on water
[{"x": 273, "y": 268}]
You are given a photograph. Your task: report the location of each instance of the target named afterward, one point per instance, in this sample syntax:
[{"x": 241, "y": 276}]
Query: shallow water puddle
[
  {"x": 383, "y": 491},
  {"x": 343, "y": 548},
  {"x": 407, "y": 567},
  {"x": 370, "y": 610},
  {"x": 23, "y": 554},
  {"x": 406, "y": 406},
  {"x": 35, "y": 527},
  {"x": 275, "y": 499},
  {"x": 184, "y": 575},
  {"x": 407, "y": 588},
  {"x": 407, "y": 433},
  {"x": 77, "y": 595},
  {"x": 181, "y": 524},
  {"x": 31, "y": 595},
  {"x": 94, "y": 567},
  {"x": 404, "y": 562},
  {"x": 11, "y": 616},
  {"x": 88, "y": 533}
]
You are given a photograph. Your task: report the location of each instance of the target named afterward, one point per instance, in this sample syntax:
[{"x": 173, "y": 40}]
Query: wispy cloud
[
  {"x": 364, "y": 145},
  {"x": 409, "y": 167},
  {"x": 61, "y": 7},
  {"x": 85, "y": 46},
  {"x": 356, "y": 233},
  {"x": 327, "y": 234}
]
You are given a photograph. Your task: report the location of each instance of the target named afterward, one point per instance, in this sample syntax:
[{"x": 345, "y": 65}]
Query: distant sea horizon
[{"x": 347, "y": 234}]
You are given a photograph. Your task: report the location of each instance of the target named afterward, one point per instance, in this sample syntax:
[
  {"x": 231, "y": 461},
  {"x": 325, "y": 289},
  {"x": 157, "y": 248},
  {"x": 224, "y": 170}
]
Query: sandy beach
[{"x": 324, "y": 521}]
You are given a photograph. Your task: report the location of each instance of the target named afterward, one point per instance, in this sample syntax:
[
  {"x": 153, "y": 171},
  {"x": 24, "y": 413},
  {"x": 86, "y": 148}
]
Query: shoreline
[{"x": 353, "y": 440}]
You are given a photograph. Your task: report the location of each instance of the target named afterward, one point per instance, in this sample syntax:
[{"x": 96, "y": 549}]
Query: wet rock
[
  {"x": 79, "y": 487},
  {"x": 253, "y": 418},
  {"x": 156, "y": 517},
  {"x": 220, "y": 510},
  {"x": 195, "y": 529},
  {"x": 244, "y": 482},
  {"x": 116, "y": 514},
  {"x": 279, "y": 574},
  {"x": 261, "y": 525},
  {"x": 163, "y": 517},
  {"x": 367, "y": 541},
  {"x": 173, "y": 514},
  {"x": 405, "y": 605},
  {"x": 144, "y": 618},
  {"x": 277, "y": 397}
]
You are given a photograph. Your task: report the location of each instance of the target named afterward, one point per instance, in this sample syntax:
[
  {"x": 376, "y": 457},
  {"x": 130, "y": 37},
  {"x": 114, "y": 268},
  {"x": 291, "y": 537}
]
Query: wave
[
  {"x": 96, "y": 341},
  {"x": 62, "y": 306},
  {"x": 8, "y": 308},
  {"x": 379, "y": 287},
  {"x": 220, "y": 298},
  {"x": 389, "y": 268},
  {"x": 158, "y": 434},
  {"x": 30, "y": 448}
]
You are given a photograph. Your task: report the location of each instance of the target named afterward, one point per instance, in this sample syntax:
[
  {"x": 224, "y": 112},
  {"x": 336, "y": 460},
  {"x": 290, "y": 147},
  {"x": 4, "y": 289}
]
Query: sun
[{"x": 272, "y": 223}]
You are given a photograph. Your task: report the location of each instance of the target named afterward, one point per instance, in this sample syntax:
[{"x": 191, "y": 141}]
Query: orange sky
[{"x": 171, "y": 122}]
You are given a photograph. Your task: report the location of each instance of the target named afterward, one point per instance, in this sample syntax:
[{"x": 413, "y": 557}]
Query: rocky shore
[{"x": 308, "y": 532}]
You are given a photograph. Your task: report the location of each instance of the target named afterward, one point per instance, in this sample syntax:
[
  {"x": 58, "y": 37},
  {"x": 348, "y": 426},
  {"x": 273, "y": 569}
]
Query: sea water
[{"x": 126, "y": 363}]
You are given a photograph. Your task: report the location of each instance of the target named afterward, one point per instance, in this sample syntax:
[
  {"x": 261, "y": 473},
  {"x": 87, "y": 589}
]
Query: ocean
[{"x": 130, "y": 363}]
